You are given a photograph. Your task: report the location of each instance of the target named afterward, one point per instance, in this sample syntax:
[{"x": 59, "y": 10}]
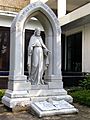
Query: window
[
  {"x": 4, "y": 48},
  {"x": 74, "y": 52}
]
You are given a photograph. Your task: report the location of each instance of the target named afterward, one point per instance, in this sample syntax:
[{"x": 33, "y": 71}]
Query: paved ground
[{"x": 5, "y": 114}]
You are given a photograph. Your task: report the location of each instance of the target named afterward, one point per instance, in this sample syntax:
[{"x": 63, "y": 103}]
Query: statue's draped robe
[{"x": 37, "y": 60}]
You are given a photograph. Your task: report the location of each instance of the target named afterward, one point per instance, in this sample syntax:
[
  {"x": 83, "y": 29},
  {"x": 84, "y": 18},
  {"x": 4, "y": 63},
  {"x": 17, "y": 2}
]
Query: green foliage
[
  {"x": 73, "y": 89},
  {"x": 2, "y": 92},
  {"x": 85, "y": 84},
  {"x": 81, "y": 96}
]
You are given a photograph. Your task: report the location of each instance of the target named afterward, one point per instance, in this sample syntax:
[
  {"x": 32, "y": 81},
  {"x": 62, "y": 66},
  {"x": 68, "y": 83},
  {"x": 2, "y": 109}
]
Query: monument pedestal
[
  {"x": 22, "y": 93},
  {"x": 16, "y": 93},
  {"x": 53, "y": 89}
]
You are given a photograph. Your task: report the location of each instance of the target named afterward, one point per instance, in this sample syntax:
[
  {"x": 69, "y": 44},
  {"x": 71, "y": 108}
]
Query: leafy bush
[
  {"x": 2, "y": 92},
  {"x": 73, "y": 89},
  {"x": 81, "y": 96},
  {"x": 85, "y": 84}
]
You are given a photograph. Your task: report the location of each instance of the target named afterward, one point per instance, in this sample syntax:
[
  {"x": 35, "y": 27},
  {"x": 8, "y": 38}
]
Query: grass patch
[
  {"x": 2, "y": 92},
  {"x": 81, "y": 96}
]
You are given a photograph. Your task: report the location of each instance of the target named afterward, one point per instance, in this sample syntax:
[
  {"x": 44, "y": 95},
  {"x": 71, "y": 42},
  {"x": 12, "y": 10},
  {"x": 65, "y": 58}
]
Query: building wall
[
  {"x": 5, "y": 21},
  {"x": 87, "y": 48},
  {"x": 13, "y": 5}
]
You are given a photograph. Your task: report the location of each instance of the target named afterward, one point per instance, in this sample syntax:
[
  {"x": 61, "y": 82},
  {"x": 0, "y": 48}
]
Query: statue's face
[{"x": 37, "y": 32}]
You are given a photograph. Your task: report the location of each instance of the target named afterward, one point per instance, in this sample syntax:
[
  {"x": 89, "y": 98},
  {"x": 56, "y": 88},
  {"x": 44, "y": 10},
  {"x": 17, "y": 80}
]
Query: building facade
[
  {"x": 75, "y": 40},
  {"x": 74, "y": 20}
]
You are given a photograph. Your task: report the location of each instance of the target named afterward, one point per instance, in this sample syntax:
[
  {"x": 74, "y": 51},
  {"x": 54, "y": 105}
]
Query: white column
[{"x": 61, "y": 4}]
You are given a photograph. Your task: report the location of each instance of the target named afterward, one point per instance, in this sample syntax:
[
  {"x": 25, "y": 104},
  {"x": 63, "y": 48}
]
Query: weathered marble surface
[
  {"x": 54, "y": 105},
  {"x": 45, "y": 108}
]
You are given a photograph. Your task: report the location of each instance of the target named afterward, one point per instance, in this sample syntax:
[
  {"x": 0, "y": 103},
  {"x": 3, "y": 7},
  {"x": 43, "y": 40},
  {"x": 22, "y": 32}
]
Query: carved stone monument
[{"x": 19, "y": 89}]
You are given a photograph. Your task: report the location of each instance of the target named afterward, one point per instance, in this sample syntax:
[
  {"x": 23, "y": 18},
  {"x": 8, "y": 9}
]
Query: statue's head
[{"x": 37, "y": 32}]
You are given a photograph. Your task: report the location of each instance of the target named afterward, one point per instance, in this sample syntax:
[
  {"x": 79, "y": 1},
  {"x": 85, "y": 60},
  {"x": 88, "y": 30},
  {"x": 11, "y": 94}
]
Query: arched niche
[{"x": 52, "y": 39}]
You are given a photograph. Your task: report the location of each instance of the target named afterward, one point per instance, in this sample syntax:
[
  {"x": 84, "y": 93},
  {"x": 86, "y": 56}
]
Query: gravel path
[{"x": 6, "y": 114}]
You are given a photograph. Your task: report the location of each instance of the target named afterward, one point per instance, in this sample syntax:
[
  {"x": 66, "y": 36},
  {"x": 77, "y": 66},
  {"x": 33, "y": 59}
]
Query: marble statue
[{"x": 37, "y": 58}]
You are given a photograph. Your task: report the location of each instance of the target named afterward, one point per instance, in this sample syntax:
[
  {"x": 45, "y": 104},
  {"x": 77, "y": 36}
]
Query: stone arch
[{"x": 53, "y": 39}]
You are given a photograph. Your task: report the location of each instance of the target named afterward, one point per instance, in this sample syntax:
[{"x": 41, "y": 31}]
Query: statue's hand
[
  {"x": 46, "y": 51},
  {"x": 28, "y": 66},
  {"x": 30, "y": 51}
]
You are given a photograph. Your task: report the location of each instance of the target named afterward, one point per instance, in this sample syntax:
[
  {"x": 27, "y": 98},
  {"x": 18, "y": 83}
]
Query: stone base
[
  {"x": 49, "y": 108},
  {"x": 22, "y": 93},
  {"x": 14, "y": 98},
  {"x": 23, "y": 98},
  {"x": 57, "y": 94}
]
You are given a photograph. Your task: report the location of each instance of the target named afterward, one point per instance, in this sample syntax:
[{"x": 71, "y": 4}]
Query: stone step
[
  {"x": 67, "y": 98},
  {"x": 50, "y": 92},
  {"x": 35, "y": 93},
  {"x": 38, "y": 87}
]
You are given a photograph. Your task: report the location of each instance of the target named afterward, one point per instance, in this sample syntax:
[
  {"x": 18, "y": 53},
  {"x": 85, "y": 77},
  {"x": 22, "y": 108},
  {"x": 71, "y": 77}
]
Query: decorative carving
[{"x": 32, "y": 7}]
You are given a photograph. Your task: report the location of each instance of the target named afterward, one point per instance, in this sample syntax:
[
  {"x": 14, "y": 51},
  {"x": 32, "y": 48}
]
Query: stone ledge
[
  {"x": 35, "y": 93},
  {"x": 38, "y": 87}
]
